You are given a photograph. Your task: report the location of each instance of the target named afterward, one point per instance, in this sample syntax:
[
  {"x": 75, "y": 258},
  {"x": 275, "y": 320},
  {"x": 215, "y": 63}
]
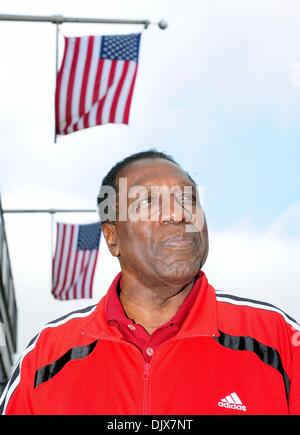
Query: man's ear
[{"x": 109, "y": 231}]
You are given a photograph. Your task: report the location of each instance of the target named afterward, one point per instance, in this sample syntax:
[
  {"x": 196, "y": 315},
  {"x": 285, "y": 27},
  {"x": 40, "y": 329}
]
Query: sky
[{"x": 219, "y": 90}]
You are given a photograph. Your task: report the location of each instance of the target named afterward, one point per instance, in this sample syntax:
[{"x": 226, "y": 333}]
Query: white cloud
[{"x": 288, "y": 224}]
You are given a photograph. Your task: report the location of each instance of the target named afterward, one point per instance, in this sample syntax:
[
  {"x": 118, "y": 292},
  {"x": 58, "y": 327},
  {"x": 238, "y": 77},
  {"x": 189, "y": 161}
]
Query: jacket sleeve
[
  {"x": 17, "y": 396},
  {"x": 294, "y": 399}
]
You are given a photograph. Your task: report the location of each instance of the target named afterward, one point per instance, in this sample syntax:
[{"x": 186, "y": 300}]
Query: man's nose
[{"x": 173, "y": 211}]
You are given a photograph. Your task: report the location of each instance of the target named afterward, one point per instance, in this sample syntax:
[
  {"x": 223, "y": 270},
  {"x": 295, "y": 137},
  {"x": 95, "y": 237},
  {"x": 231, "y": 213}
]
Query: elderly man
[{"x": 162, "y": 340}]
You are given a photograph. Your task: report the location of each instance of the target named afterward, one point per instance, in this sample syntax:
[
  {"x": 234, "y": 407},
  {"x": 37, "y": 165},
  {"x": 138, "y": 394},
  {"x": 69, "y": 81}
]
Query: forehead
[{"x": 154, "y": 172}]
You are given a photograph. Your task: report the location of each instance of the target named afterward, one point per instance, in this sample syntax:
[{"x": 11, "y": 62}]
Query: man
[{"x": 162, "y": 340}]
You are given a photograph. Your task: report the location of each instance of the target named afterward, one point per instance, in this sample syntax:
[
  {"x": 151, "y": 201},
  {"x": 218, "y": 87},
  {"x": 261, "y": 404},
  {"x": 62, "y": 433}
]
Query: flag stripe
[
  {"x": 72, "y": 262},
  {"x": 79, "y": 269},
  {"x": 68, "y": 251},
  {"x": 78, "y": 81},
  {"x": 128, "y": 103},
  {"x": 82, "y": 260},
  {"x": 64, "y": 84},
  {"x": 104, "y": 84},
  {"x": 88, "y": 272},
  {"x": 69, "y": 294},
  {"x": 64, "y": 262},
  {"x": 71, "y": 84},
  {"x": 78, "y": 286},
  {"x": 92, "y": 73},
  {"x": 123, "y": 97},
  {"x": 109, "y": 72},
  {"x": 97, "y": 84},
  {"x": 60, "y": 255},
  {"x": 92, "y": 115},
  {"x": 59, "y": 87},
  {"x": 85, "y": 77},
  {"x": 114, "y": 79},
  {"x": 118, "y": 93}
]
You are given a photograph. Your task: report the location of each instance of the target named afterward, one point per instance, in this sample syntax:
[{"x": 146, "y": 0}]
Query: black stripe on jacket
[
  {"x": 266, "y": 354},
  {"x": 47, "y": 372}
]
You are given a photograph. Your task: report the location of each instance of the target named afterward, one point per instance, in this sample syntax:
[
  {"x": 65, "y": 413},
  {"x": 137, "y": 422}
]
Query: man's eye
[{"x": 145, "y": 201}]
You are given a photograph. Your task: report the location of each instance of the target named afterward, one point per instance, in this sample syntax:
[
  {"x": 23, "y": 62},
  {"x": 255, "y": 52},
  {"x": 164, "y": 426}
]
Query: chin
[{"x": 180, "y": 272}]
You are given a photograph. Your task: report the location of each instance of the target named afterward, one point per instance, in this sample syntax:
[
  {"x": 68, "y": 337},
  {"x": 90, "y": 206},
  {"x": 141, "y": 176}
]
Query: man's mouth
[{"x": 179, "y": 241}]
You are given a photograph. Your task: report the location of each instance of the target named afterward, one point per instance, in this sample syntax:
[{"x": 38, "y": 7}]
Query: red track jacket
[{"x": 231, "y": 356}]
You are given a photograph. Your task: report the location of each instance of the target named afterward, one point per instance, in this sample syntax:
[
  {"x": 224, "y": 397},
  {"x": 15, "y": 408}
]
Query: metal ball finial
[{"x": 162, "y": 24}]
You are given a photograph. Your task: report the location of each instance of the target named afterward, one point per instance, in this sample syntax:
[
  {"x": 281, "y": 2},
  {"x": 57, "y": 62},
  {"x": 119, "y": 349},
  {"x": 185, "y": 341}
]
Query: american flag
[
  {"x": 74, "y": 261},
  {"x": 96, "y": 80}
]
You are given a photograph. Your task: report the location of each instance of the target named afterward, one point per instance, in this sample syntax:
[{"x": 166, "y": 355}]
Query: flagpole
[
  {"x": 49, "y": 210},
  {"x": 56, "y": 72},
  {"x": 59, "y": 19}
]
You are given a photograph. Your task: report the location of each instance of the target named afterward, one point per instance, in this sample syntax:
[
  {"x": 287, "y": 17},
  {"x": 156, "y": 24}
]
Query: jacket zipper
[
  {"x": 146, "y": 371},
  {"x": 146, "y": 383}
]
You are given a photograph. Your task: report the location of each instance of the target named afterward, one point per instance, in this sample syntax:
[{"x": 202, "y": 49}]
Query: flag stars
[
  {"x": 120, "y": 47},
  {"x": 89, "y": 236}
]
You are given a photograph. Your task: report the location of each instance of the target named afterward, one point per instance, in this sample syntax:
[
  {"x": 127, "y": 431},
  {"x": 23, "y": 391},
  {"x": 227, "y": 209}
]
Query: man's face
[{"x": 158, "y": 248}]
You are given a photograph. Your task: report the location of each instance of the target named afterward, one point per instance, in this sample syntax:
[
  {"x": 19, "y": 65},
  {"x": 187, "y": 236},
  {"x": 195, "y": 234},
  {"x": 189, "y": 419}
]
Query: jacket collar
[{"x": 201, "y": 320}]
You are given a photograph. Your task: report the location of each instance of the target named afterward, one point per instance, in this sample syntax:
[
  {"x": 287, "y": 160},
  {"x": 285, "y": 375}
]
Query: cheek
[{"x": 134, "y": 242}]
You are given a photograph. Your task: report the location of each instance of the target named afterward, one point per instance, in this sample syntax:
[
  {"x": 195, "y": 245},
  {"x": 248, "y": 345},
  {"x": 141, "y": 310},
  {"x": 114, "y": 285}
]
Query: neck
[{"x": 152, "y": 305}]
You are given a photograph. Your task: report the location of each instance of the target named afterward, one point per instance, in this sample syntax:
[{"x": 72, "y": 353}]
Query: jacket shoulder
[
  {"x": 50, "y": 343},
  {"x": 64, "y": 331},
  {"x": 260, "y": 310},
  {"x": 245, "y": 316}
]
